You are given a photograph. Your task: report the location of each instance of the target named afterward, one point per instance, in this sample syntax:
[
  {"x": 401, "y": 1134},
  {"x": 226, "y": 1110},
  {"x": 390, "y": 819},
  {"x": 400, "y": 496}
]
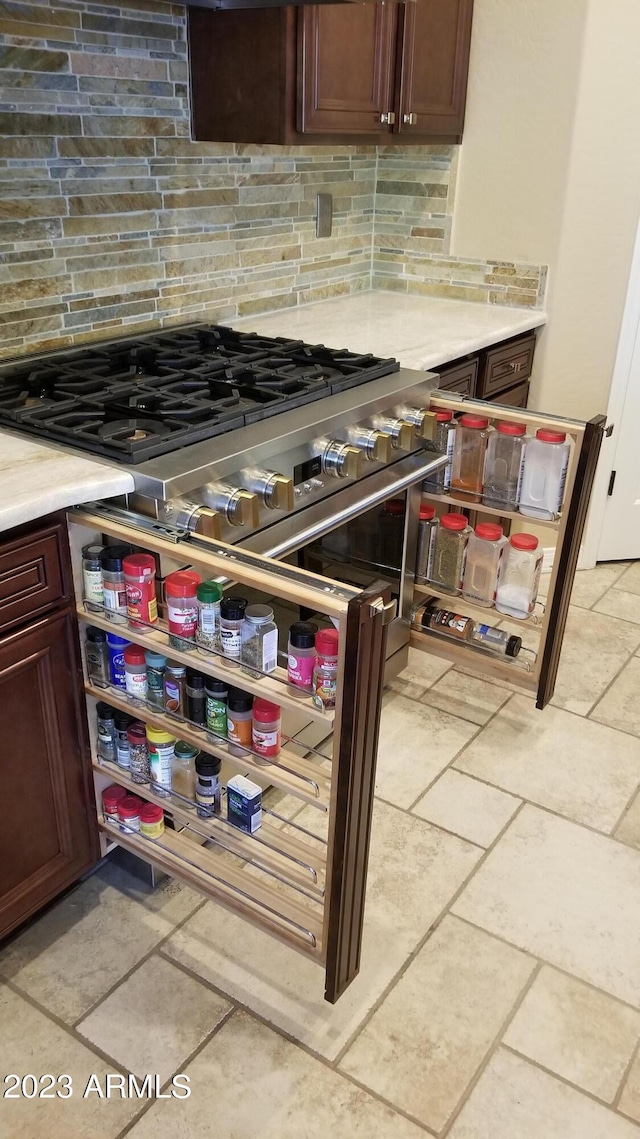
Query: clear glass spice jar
[
  {"x": 138, "y": 752},
  {"x": 259, "y": 651},
  {"x": 175, "y": 690},
  {"x": 447, "y": 567},
  {"x": 443, "y": 442},
  {"x": 484, "y": 554},
  {"x": 196, "y": 697},
  {"x": 123, "y": 750},
  {"x": 96, "y": 653},
  {"x": 183, "y": 771},
  {"x": 106, "y": 731},
  {"x": 114, "y": 586},
  {"x": 519, "y": 576},
  {"x": 503, "y": 466},
  {"x": 232, "y": 610},
  {"x": 208, "y": 786},
  {"x": 467, "y": 466},
  {"x": 209, "y": 595},
  {"x": 92, "y": 584},
  {"x": 156, "y": 665},
  {"x": 182, "y": 608},
  {"x": 427, "y": 526}
]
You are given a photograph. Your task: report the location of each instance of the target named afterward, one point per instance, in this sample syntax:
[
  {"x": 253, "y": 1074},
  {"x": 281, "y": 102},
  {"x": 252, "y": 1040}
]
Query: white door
[{"x": 620, "y": 533}]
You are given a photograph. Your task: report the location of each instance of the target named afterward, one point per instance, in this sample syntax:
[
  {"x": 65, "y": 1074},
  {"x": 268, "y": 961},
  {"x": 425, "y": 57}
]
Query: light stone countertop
[
  {"x": 36, "y": 479},
  {"x": 420, "y": 332}
]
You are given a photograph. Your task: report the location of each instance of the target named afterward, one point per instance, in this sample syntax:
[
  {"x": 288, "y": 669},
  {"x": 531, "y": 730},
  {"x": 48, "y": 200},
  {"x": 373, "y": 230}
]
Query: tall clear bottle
[
  {"x": 519, "y": 576},
  {"x": 447, "y": 565},
  {"x": 444, "y": 439},
  {"x": 467, "y": 468},
  {"x": 544, "y": 474},
  {"x": 484, "y": 553},
  {"x": 503, "y": 466}
]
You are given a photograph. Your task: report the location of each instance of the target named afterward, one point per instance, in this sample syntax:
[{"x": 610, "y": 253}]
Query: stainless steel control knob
[
  {"x": 194, "y": 517},
  {"x": 342, "y": 460},
  {"x": 423, "y": 420},
  {"x": 402, "y": 434},
  {"x": 276, "y": 491},
  {"x": 375, "y": 445},
  {"x": 240, "y": 507}
]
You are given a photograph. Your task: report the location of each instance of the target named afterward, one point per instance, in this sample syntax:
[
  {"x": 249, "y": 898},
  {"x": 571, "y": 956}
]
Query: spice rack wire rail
[
  {"x": 271, "y": 849},
  {"x": 271, "y": 686},
  {"x": 480, "y": 508},
  {"x": 536, "y": 622},
  {"x": 205, "y": 871},
  {"x": 288, "y": 772}
]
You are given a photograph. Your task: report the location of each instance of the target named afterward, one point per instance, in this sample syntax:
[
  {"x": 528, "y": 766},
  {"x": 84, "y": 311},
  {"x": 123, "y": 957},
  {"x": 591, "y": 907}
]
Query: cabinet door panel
[
  {"x": 435, "y": 58},
  {"x": 345, "y": 68},
  {"x": 46, "y": 837}
]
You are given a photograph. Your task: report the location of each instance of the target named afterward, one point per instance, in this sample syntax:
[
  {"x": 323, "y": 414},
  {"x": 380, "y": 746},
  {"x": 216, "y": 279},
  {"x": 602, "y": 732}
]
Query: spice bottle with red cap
[
  {"x": 140, "y": 583},
  {"x": 443, "y": 441},
  {"x": 467, "y": 467},
  {"x": 427, "y": 526},
  {"x": 325, "y": 673},
  {"x": 447, "y": 567},
  {"x": 135, "y": 674},
  {"x": 504, "y": 465},
  {"x": 266, "y": 727},
  {"x": 519, "y": 576},
  {"x": 544, "y": 474},
  {"x": 484, "y": 553},
  {"x": 182, "y": 608}
]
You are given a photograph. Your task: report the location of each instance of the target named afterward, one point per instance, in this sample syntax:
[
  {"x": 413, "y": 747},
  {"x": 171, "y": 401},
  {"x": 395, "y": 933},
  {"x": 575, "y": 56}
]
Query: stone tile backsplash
[{"x": 112, "y": 220}]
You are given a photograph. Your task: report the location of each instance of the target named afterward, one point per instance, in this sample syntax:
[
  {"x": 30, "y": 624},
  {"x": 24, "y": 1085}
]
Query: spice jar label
[
  {"x": 93, "y": 586},
  {"x": 183, "y": 621},
  {"x": 231, "y": 642}
]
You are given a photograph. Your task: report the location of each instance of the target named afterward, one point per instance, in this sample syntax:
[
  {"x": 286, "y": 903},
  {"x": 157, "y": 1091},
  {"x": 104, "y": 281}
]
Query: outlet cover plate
[{"x": 324, "y": 215}]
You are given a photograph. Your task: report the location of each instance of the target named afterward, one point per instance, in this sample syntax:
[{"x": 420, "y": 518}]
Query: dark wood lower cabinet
[{"x": 48, "y": 833}]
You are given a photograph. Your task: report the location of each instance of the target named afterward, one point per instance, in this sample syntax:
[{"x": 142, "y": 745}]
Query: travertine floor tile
[
  {"x": 31, "y": 1043},
  {"x": 416, "y": 744},
  {"x": 155, "y": 1019},
  {"x": 629, "y": 580},
  {"x": 80, "y": 948},
  {"x": 424, "y": 1044},
  {"x": 590, "y": 585},
  {"x": 421, "y": 672},
  {"x": 577, "y": 1032},
  {"x": 628, "y": 829},
  {"x": 474, "y": 810},
  {"x": 578, "y": 768},
  {"x": 620, "y": 706},
  {"x": 249, "y": 1082},
  {"x": 594, "y": 649},
  {"x": 514, "y": 1100},
  {"x": 466, "y": 696},
  {"x": 414, "y": 870},
  {"x": 630, "y": 1099},
  {"x": 565, "y": 894},
  {"x": 620, "y": 603}
]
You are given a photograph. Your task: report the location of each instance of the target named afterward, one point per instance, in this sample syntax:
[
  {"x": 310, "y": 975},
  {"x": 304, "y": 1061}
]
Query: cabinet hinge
[{"x": 612, "y": 479}]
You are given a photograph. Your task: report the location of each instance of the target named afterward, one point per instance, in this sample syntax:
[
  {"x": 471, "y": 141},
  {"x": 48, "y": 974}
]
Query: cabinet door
[
  {"x": 345, "y": 68},
  {"x": 535, "y": 668},
  {"x": 435, "y": 41},
  {"x": 48, "y": 834}
]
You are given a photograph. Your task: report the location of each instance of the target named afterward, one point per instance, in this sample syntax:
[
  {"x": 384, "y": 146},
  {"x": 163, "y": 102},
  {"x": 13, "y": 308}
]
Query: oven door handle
[{"x": 284, "y": 537}]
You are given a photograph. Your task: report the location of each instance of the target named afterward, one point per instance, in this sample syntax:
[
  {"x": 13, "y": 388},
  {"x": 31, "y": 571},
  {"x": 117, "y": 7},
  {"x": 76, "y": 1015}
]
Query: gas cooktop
[{"x": 135, "y": 398}]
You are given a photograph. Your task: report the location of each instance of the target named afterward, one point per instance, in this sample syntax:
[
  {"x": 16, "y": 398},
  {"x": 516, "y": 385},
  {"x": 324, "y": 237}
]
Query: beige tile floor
[{"x": 499, "y": 994}]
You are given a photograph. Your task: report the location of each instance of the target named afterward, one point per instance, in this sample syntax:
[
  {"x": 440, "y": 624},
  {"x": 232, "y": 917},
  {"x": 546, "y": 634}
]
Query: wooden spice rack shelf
[
  {"x": 270, "y": 848},
  {"x": 480, "y": 508},
  {"x": 534, "y": 622},
  {"x": 271, "y": 686},
  {"x": 239, "y": 890}
]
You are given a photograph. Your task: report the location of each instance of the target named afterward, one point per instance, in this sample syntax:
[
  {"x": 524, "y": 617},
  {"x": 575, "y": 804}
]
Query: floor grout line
[
  {"x": 602, "y": 695},
  {"x": 608, "y": 1104},
  {"x": 625, "y": 1076}
]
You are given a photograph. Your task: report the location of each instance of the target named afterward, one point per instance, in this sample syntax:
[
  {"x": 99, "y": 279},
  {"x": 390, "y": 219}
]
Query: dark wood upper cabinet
[{"x": 332, "y": 73}]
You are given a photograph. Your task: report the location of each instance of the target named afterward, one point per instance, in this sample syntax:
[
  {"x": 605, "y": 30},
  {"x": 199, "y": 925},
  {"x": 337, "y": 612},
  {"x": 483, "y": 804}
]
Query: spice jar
[
  {"x": 467, "y": 465},
  {"x": 239, "y": 721},
  {"x": 135, "y": 670},
  {"x": 208, "y": 788},
  {"x": 259, "y": 640},
  {"x": 519, "y": 576},
  {"x": 92, "y": 585},
  {"x": 111, "y": 796},
  {"x": 427, "y": 616},
  {"x": 123, "y": 750},
  {"x": 151, "y": 820},
  {"x": 484, "y": 553},
  {"x": 116, "y": 646},
  {"x": 161, "y": 745},
  {"x": 266, "y": 727},
  {"x": 503, "y": 466},
  {"x": 301, "y": 657},
  {"x": 544, "y": 474},
  {"x": 452, "y": 535},
  {"x": 182, "y": 608},
  {"x": 138, "y": 752},
  {"x": 129, "y": 813},
  {"x": 232, "y": 611},
  {"x": 196, "y": 707},
  {"x": 183, "y": 771},
  {"x": 156, "y": 665},
  {"x": 208, "y": 596},
  {"x": 96, "y": 653},
  {"x": 325, "y": 672},
  {"x": 115, "y": 591},
  {"x": 140, "y": 582},
  {"x": 175, "y": 690},
  {"x": 216, "y": 703},
  {"x": 443, "y": 442},
  {"x": 106, "y": 732},
  {"x": 427, "y": 526}
]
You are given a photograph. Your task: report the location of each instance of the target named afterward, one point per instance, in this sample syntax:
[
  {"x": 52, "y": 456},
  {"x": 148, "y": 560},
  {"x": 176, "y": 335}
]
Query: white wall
[{"x": 550, "y": 172}]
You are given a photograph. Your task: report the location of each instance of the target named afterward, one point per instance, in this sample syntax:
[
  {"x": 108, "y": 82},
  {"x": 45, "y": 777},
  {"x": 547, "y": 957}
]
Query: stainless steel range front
[{"x": 266, "y": 443}]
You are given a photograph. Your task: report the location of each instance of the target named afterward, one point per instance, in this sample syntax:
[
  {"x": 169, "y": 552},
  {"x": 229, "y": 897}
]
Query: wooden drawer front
[
  {"x": 31, "y": 576},
  {"x": 514, "y": 397},
  {"x": 504, "y": 365},
  {"x": 460, "y": 377}
]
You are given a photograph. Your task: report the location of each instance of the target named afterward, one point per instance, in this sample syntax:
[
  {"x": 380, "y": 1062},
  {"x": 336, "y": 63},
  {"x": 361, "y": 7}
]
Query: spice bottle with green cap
[{"x": 208, "y": 595}]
